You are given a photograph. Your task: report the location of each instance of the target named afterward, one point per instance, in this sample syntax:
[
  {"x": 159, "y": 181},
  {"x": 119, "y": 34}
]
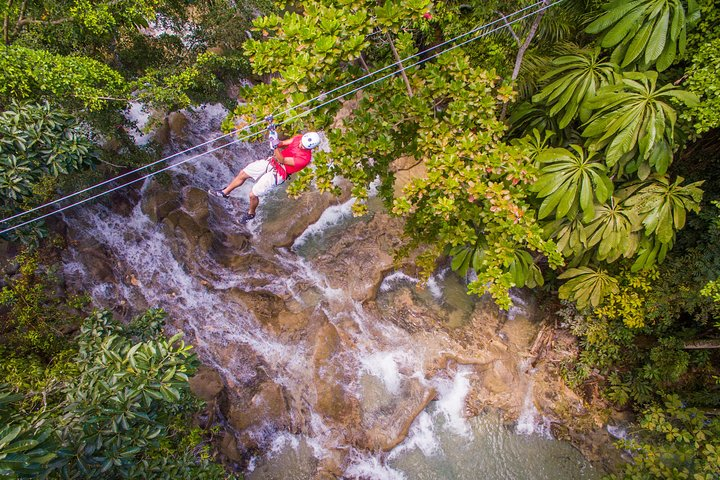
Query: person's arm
[
  {"x": 283, "y": 160},
  {"x": 278, "y": 156}
]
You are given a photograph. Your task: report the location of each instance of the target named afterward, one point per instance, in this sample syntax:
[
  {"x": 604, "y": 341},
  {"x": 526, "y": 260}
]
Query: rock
[
  {"x": 177, "y": 122},
  {"x": 12, "y": 267},
  {"x": 267, "y": 405},
  {"x": 365, "y": 245},
  {"x": 123, "y": 201},
  {"x": 181, "y": 225},
  {"x": 333, "y": 402},
  {"x": 291, "y": 322},
  {"x": 231, "y": 250},
  {"x": 388, "y": 424},
  {"x": 98, "y": 263},
  {"x": 206, "y": 384},
  {"x": 264, "y": 305},
  {"x": 195, "y": 203},
  {"x": 327, "y": 342},
  {"x": 283, "y": 229},
  {"x": 157, "y": 202},
  {"x": 330, "y": 466},
  {"x": 229, "y": 448}
]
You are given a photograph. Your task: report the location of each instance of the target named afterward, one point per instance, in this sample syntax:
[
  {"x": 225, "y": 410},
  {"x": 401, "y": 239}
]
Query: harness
[{"x": 275, "y": 167}]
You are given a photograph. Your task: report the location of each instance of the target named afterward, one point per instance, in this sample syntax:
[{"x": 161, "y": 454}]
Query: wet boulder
[
  {"x": 193, "y": 236},
  {"x": 206, "y": 384},
  {"x": 281, "y": 230},
  {"x": 264, "y": 305},
  {"x": 177, "y": 122},
  {"x": 387, "y": 417},
  {"x": 333, "y": 401},
  {"x": 231, "y": 250},
  {"x": 358, "y": 260},
  {"x": 158, "y": 201},
  {"x": 266, "y": 406},
  {"x": 229, "y": 448},
  {"x": 195, "y": 203}
]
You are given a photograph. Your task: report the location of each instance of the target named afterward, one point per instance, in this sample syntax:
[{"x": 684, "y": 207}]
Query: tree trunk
[
  {"x": 364, "y": 65},
  {"x": 526, "y": 44},
  {"x": 21, "y": 14},
  {"x": 702, "y": 344},
  {"x": 523, "y": 48},
  {"x": 6, "y": 24},
  {"x": 399, "y": 63}
]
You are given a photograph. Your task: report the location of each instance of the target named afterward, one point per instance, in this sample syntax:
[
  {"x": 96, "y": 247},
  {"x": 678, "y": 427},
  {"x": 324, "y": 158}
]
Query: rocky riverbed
[{"x": 308, "y": 326}]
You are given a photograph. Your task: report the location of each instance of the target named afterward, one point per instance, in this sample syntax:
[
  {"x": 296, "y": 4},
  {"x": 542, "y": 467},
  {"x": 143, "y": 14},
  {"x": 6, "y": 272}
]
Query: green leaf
[
  {"x": 656, "y": 43},
  {"x": 637, "y": 45},
  {"x": 626, "y": 25},
  {"x": 612, "y": 16}
]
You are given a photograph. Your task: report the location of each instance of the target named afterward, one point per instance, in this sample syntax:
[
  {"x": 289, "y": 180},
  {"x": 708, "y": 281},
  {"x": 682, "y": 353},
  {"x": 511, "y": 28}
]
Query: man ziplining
[{"x": 273, "y": 171}]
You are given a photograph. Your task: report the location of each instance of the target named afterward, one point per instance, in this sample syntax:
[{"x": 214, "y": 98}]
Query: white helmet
[{"x": 310, "y": 140}]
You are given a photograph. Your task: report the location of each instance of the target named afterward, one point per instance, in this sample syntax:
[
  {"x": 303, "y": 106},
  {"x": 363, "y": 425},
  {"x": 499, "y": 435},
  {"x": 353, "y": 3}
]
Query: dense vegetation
[
  {"x": 112, "y": 401},
  {"x": 572, "y": 150}
]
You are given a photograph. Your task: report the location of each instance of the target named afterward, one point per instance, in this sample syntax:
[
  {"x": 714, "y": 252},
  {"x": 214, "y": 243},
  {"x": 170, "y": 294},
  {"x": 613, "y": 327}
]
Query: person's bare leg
[
  {"x": 236, "y": 182},
  {"x": 254, "y": 201}
]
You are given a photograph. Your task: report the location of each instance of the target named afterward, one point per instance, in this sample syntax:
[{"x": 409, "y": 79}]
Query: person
[{"x": 290, "y": 156}]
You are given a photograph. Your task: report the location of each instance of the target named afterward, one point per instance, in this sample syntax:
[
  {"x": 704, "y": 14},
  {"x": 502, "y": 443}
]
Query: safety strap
[{"x": 272, "y": 163}]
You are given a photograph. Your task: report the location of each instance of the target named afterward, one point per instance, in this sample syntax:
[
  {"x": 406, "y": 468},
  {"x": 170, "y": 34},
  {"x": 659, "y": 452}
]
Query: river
[{"x": 335, "y": 363}]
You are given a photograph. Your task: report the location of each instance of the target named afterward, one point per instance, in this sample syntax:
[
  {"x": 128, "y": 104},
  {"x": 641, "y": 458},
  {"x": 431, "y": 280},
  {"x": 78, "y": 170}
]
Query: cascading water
[{"x": 347, "y": 384}]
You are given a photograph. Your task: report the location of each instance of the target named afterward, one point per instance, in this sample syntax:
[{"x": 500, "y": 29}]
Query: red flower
[{"x": 427, "y": 15}]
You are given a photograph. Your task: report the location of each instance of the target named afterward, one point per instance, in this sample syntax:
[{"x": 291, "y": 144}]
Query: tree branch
[
  {"x": 509, "y": 27},
  {"x": 701, "y": 344},
  {"x": 398, "y": 62},
  {"x": 26, "y": 21},
  {"x": 6, "y": 23},
  {"x": 521, "y": 51},
  {"x": 526, "y": 44},
  {"x": 21, "y": 14},
  {"x": 364, "y": 65}
]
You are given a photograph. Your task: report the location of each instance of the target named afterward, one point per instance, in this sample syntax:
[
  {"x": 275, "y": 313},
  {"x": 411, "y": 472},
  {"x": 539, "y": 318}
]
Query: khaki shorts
[{"x": 264, "y": 175}]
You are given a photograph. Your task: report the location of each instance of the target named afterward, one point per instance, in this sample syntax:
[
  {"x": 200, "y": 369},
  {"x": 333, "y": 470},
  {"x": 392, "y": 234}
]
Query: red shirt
[{"x": 301, "y": 156}]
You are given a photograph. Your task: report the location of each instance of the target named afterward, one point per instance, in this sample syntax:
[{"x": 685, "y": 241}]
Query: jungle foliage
[
  {"x": 571, "y": 149},
  {"x": 82, "y": 63},
  {"x": 92, "y": 398},
  {"x": 592, "y": 160}
]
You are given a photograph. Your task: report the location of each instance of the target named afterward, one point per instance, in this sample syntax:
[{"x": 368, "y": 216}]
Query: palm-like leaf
[
  {"x": 613, "y": 232},
  {"x": 662, "y": 206},
  {"x": 523, "y": 270},
  {"x": 534, "y": 143},
  {"x": 527, "y": 117},
  {"x": 465, "y": 257},
  {"x": 634, "y": 118},
  {"x": 570, "y": 180},
  {"x": 651, "y": 252},
  {"x": 575, "y": 79},
  {"x": 569, "y": 235},
  {"x": 586, "y": 286},
  {"x": 522, "y": 267},
  {"x": 645, "y": 32}
]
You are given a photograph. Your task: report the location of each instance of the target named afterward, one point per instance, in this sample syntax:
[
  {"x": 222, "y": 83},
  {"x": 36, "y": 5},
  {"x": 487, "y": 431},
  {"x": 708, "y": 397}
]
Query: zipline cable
[
  {"x": 295, "y": 107},
  {"x": 399, "y": 62},
  {"x": 105, "y": 182},
  {"x": 280, "y": 123}
]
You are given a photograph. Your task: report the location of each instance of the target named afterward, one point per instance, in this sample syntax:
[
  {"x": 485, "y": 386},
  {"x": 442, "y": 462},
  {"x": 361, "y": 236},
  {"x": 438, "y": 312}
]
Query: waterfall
[{"x": 356, "y": 388}]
